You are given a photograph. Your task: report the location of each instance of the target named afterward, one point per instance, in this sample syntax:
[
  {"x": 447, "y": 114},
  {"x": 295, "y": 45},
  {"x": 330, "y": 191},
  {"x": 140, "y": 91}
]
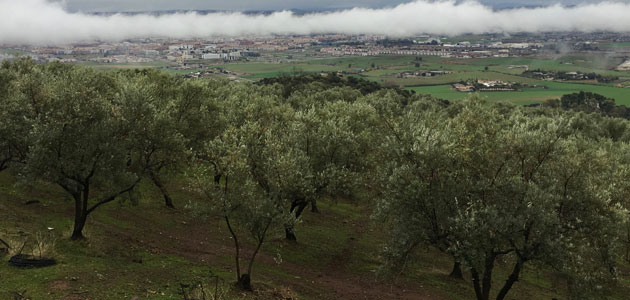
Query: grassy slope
[{"x": 336, "y": 257}]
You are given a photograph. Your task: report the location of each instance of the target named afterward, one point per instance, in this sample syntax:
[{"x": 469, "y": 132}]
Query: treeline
[
  {"x": 486, "y": 184},
  {"x": 298, "y": 82},
  {"x": 589, "y": 102},
  {"x": 560, "y": 75}
]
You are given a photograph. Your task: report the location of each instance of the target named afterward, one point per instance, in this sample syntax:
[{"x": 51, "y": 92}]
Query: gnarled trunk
[
  {"x": 158, "y": 183},
  {"x": 298, "y": 207},
  {"x": 289, "y": 233},
  {"x": 244, "y": 283},
  {"x": 513, "y": 278},
  {"x": 80, "y": 216},
  {"x": 483, "y": 286},
  {"x": 314, "y": 206},
  {"x": 456, "y": 273}
]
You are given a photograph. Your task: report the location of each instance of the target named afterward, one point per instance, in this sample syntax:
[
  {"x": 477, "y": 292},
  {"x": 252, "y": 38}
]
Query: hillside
[
  {"x": 143, "y": 185},
  {"x": 335, "y": 258}
]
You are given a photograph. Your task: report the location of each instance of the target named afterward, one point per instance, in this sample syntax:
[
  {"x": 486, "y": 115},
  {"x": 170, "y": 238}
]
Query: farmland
[
  {"x": 531, "y": 95},
  {"x": 386, "y": 70}
]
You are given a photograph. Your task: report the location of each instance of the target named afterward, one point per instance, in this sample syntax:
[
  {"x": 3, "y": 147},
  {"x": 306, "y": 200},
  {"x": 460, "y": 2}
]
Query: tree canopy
[{"x": 487, "y": 184}]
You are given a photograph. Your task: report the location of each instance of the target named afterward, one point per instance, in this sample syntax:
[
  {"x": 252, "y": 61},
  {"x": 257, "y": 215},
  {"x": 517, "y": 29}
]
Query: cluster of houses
[
  {"x": 464, "y": 88},
  {"x": 188, "y": 52},
  {"x": 459, "y": 50},
  {"x": 416, "y": 74},
  {"x": 553, "y": 75},
  {"x": 486, "y": 86}
]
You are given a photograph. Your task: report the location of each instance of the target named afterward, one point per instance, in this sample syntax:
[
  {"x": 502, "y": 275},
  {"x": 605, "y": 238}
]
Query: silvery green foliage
[
  {"x": 417, "y": 196},
  {"x": 496, "y": 184},
  {"x": 337, "y": 139},
  {"x": 21, "y": 93},
  {"x": 94, "y": 135},
  {"x": 148, "y": 103},
  {"x": 260, "y": 166},
  {"x": 80, "y": 135}
]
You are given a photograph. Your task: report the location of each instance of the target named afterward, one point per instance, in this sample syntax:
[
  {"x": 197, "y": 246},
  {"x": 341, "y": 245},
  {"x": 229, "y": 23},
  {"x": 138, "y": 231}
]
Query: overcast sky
[
  {"x": 45, "y": 23},
  {"x": 240, "y": 5}
]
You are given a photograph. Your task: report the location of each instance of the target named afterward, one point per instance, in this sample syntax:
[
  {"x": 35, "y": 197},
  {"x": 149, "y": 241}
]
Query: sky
[
  {"x": 42, "y": 22},
  {"x": 243, "y": 5}
]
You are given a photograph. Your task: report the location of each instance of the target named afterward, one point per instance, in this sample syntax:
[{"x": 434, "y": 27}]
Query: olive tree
[
  {"x": 418, "y": 188},
  {"x": 81, "y": 142},
  {"x": 9, "y": 118},
  {"x": 249, "y": 174},
  {"x": 337, "y": 139},
  {"x": 500, "y": 185},
  {"x": 532, "y": 191},
  {"x": 156, "y": 106},
  {"x": 22, "y": 93}
]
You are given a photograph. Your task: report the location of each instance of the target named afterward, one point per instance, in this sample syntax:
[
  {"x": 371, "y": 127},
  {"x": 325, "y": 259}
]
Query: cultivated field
[{"x": 386, "y": 70}]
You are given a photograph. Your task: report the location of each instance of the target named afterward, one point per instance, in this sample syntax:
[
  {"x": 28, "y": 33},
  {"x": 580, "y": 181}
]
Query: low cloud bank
[{"x": 43, "y": 22}]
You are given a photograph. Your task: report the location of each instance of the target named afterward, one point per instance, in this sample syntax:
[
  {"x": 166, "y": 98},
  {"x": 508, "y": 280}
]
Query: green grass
[
  {"x": 614, "y": 45},
  {"x": 450, "y": 78},
  {"x": 532, "y": 95},
  {"x": 264, "y": 70},
  {"x": 337, "y": 249}
]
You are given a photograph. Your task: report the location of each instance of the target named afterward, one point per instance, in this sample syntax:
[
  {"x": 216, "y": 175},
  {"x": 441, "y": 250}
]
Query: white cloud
[{"x": 42, "y": 22}]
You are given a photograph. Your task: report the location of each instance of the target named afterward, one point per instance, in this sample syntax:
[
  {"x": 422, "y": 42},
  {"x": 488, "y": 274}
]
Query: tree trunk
[
  {"x": 314, "y": 206},
  {"x": 289, "y": 233},
  {"x": 300, "y": 205},
  {"x": 244, "y": 283},
  {"x": 487, "y": 276},
  {"x": 456, "y": 273},
  {"x": 476, "y": 284},
  {"x": 511, "y": 280},
  {"x": 237, "y": 248},
  {"x": 482, "y": 289},
  {"x": 158, "y": 182},
  {"x": 80, "y": 215}
]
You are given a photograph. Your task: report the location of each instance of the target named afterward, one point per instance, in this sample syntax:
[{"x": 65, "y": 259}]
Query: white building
[
  {"x": 211, "y": 56},
  {"x": 151, "y": 52}
]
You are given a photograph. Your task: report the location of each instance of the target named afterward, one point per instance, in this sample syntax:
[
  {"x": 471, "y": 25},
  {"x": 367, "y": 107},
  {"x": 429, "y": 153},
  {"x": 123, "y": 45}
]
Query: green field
[
  {"x": 614, "y": 45},
  {"x": 386, "y": 67},
  {"x": 384, "y": 70},
  {"x": 531, "y": 95}
]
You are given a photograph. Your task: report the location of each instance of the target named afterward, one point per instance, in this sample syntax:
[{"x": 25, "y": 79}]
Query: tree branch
[{"x": 114, "y": 196}]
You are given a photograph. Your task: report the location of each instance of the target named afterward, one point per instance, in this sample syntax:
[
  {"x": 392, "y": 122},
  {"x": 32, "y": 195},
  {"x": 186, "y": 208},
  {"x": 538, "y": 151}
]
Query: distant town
[{"x": 198, "y": 53}]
